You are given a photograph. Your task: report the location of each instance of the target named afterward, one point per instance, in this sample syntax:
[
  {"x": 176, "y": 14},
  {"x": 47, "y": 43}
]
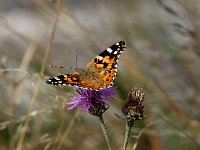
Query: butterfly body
[{"x": 98, "y": 74}]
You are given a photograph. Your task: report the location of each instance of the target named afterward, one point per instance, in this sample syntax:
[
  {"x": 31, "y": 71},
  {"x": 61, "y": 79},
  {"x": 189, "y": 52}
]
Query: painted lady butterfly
[{"x": 98, "y": 74}]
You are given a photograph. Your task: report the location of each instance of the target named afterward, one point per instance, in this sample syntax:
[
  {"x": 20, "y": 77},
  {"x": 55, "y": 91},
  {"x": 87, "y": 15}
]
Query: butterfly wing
[
  {"x": 67, "y": 79},
  {"x": 104, "y": 65}
]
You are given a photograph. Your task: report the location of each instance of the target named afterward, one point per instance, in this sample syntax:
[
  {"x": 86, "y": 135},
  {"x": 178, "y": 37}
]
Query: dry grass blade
[
  {"x": 142, "y": 131},
  {"x": 37, "y": 87},
  {"x": 182, "y": 131},
  {"x": 61, "y": 139}
]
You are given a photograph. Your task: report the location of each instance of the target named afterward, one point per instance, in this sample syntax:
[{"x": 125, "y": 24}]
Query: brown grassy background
[{"x": 162, "y": 57}]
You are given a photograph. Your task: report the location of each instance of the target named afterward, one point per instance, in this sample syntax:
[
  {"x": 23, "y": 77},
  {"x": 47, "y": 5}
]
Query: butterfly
[{"x": 98, "y": 74}]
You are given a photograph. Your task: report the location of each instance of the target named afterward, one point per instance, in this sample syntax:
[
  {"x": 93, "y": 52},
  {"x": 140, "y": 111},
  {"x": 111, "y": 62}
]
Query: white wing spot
[
  {"x": 56, "y": 78},
  {"x": 115, "y": 52},
  {"x": 109, "y": 50},
  {"x": 117, "y": 44}
]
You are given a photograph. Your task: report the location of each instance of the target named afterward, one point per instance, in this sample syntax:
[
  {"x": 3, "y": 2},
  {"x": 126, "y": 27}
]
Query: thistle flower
[
  {"x": 92, "y": 101},
  {"x": 133, "y": 109}
]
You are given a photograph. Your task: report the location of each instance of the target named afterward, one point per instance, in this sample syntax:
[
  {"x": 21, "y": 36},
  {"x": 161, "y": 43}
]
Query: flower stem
[
  {"x": 104, "y": 131},
  {"x": 129, "y": 125}
]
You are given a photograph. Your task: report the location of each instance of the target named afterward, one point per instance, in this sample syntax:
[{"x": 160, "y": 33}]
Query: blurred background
[{"x": 162, "y": 57}]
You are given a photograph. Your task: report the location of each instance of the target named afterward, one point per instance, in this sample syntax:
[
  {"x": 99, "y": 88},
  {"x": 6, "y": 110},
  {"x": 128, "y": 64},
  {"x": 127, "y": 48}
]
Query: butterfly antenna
[
  {"x": 54, "y": 66},
  {"x": 76, "y": 57}
]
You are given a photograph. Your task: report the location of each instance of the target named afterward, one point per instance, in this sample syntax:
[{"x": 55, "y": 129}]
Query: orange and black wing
[
  {"x": 108, "y": 58},
  {"x": 105, "y": 64},
  {"x": 66, "y": 79}
]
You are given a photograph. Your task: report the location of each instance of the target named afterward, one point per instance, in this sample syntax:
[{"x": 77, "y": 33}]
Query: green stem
[
  {"x": 129, "y": 125},
  {"x": 104, "y": 131}
]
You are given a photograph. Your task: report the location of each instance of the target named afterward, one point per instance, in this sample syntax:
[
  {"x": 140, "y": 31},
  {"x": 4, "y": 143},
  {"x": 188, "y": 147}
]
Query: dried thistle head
[{"x": 133, "y": 109}]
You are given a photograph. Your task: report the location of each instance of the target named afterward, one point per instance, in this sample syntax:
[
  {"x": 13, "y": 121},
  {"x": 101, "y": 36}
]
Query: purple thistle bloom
[{"x": 88, "y": 99}]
